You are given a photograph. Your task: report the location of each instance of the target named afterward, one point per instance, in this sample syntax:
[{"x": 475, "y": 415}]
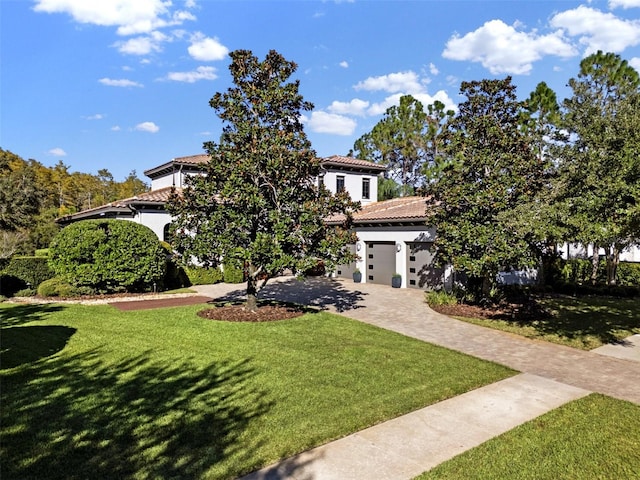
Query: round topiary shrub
[
  {"x": 55, "y": 287},
  {"x": 108, "y": 256}
]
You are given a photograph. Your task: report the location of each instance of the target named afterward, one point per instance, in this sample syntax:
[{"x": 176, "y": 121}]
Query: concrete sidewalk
[
  {"x": 414, "y": 443},
  {"x": 409, "y": 445}
]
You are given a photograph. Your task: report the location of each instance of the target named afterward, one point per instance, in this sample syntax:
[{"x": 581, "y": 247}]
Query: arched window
[{"x": 166, "y": 234}]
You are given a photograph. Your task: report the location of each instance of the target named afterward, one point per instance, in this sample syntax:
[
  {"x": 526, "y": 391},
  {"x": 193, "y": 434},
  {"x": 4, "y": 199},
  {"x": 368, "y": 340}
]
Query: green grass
[
  {"x": 583, "y": 322},
  {"x": 179, "y": 290},
  {"x": 596, "y": 437},
  {"x": 92, "y": 392}
]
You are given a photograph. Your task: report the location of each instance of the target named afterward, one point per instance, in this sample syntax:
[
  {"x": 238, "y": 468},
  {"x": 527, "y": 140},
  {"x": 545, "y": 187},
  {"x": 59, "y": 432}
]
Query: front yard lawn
[
  {"x": 593, "y": 437},
  {"x": 579, "y": 322},
  {"x": 92, "y": 392}
]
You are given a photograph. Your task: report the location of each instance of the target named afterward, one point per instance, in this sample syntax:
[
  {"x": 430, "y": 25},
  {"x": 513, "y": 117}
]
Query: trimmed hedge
[
  {"x": 22, "y": 273},
  {"x": 233, "y": 272},
  {"x": 203, "y": 275},
  {"x": 33, "y": 270},
  {"x": 108, "y": 256}
]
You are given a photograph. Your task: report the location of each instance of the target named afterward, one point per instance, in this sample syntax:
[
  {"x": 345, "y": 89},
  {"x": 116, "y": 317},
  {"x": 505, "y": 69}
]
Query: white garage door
[
  {"x": 420, "y": 271},
  {"x": 346, "y": 271},
  {"x": 380, "y": 262}
]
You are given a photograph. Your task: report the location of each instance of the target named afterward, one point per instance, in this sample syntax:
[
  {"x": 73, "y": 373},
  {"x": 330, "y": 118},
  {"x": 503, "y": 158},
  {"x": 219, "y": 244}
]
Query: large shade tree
[
  {"x": 259, "y": 202},
  {"x": 487, "y": 169},
  {"x": 600, "y": 170}
]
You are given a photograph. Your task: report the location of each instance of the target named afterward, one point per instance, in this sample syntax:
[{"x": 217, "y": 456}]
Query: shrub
[
  {"x": 25, "y": 292},
  {"x": 56, "y": 287},
  {"x": 42, "y": 252},
  {"x": 108, "y": 256},
  {"x": 233, "y": 272},
  {"x": 578, "y": 271},
  {"x": 32, "y": 270},
  {"x": 440, "y": 297},
  {"x": 203, "y": 275}
]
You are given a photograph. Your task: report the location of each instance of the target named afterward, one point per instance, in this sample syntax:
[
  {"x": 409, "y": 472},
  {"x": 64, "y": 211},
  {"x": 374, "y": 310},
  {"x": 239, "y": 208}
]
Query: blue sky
[{"x": 126, "y": 84}]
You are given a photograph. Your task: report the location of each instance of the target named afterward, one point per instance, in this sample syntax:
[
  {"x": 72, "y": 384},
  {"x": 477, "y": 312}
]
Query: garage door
[
  {"x": 346, "y": 271},
  {"x": 420, "y": 271},
  {"x": 381, "y": 262}
]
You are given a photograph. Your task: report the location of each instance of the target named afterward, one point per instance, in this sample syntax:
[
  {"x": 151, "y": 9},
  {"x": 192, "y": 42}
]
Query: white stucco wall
[
  {"x": 577, "y": 250},
  {"x": 174, "y": 179},
  {"x": 353, "y": 185},
  {"x": 154, "y": 219}
]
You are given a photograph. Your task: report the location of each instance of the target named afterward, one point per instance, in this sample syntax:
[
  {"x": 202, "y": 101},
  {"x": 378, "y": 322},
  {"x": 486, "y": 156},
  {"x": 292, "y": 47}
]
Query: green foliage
[
  {"x": 32, "y": 270},
  {"x": 486, "y": 171},
  {"x": 233, "y": 272},
  {"x": 108, "y": 256},
  {"x": 259, "y": 203},
  {"x": 42, "y": 252},
  {"x": 578, "y": 271},
  {"x": 56, "y": 287},
  {"x": 203, "y": 275},
  {"x": 440, "y": 297},
  {"x": 599, "y": 187},
  {"x": 26, "y": 292}
]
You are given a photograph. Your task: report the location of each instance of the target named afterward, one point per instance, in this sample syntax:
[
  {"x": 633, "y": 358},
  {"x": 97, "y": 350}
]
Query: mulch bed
[
  {"x": 521, "y": 310},
  {"x": 269, "y": 312}
]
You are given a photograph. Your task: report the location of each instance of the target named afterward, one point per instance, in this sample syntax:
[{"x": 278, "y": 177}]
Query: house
[{"x": 393, "y": 235}]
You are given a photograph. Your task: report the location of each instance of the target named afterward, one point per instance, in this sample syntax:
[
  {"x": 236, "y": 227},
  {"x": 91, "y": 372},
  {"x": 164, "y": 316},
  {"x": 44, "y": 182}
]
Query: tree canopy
[
  {"x": 487, "y": 169},
  {"x": 259, "y": 202}
]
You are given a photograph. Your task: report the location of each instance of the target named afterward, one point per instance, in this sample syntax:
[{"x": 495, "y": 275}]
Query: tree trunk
[
  {"x": 252, "y": 289},
  {"x": 595, "y": 262},
  {"x": 613, "y": 259}
]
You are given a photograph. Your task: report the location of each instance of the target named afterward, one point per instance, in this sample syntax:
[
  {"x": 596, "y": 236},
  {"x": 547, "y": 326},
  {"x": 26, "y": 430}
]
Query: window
[
  {"x": 320, "y": 181},
  {"x": 166, "y": 233},
  {"x": 340, "y": 183},
  {"x": 365, "y": 189}
]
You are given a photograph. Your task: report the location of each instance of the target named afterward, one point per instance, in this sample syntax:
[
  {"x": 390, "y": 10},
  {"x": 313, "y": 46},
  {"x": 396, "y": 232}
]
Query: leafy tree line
[
  {"x": 508, "y": 180},
  {"x": 32, "y": 196}
]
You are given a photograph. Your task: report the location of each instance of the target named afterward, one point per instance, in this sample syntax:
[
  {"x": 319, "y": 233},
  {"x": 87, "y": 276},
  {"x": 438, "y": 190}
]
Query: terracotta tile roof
[
  {"x": 154, "y": 197},
  {"x": 159, "y": 196},
  {"x": 396, "y": 210},
  {"x": 193, "y": 159},
  {"x": 340, "y": 161}
]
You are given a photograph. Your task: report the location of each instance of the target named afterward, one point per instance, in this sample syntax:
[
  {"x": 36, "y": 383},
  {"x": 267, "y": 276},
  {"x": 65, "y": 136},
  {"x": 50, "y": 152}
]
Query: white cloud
[
  {"x": 97, "y": 116},
  {"x": 623, "y": 3},
  {"x": 393, "y": 82},
  {"x": 323, "y": 122},
  {"x": 597, "y": 30},
  {"x": 143, "y": 45},
  {"x": 130, "y": 17},
  {"x": 147, "y": 127},
  {"x": 344, "y": 64},
  {"x": 206, "y": 49},
  {"x": 116, "y": 128},
  {"x": 57, "y": 152},
  {"x": 424, "y": 98},
  {"x": 123, "y": 82},
  {"x": 354, "y": 107},
  {"x": 433, "y": 69},
  {"x": 200, "y": 73},
  {"x": 503, "y": 49},
  {"x": 635, "y": 63}
]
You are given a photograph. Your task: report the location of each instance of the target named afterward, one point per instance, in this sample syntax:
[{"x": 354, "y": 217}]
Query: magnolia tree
[{"x": 259, "y": 202}]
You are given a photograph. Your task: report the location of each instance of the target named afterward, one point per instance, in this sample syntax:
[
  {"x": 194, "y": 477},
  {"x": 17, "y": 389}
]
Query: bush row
[
  {"x": 578, "y": 271},
  {"x": 24, "y": 273}
]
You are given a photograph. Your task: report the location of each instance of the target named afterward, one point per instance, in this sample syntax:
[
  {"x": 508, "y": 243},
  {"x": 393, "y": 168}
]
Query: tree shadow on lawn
[
  {"x": 21, "y": 314},
  {"x": 21, "y": 345},
  {"x": 77, "y": 417},
  {"x": 320, "y": 292},
  {"x": 607, "y": 319}
]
